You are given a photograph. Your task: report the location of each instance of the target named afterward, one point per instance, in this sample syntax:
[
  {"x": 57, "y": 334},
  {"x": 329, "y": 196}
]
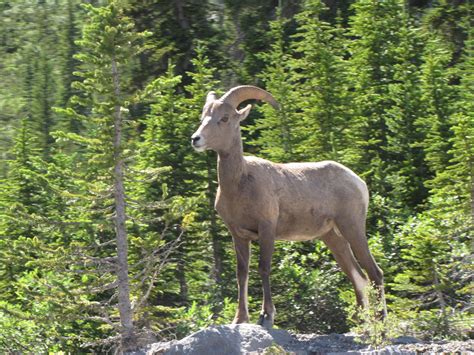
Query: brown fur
[{"x": 264, "y": 201}]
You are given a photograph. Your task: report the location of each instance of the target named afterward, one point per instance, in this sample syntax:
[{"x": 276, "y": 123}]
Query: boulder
[
  {"x": 253, "y": 339},
  {"x": 234, "y": 339}
]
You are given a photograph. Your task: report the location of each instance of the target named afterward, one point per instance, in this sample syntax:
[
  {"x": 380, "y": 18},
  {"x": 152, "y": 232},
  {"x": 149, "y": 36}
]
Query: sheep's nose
[{"x": 195, "y": 139}]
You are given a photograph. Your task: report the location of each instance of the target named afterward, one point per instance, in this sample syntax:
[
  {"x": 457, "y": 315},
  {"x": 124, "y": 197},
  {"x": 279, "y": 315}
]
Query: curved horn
[
  {"x": 246, "y": 92},
  {"x": 211, "y": 96}
]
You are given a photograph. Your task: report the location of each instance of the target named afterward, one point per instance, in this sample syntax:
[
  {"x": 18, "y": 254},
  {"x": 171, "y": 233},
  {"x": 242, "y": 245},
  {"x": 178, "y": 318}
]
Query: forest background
[{"x": 104, "y": 203}]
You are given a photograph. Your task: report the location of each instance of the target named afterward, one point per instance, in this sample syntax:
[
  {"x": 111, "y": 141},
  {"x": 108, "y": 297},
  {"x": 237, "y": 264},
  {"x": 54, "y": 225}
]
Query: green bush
[{"x": 369, "y": 325}]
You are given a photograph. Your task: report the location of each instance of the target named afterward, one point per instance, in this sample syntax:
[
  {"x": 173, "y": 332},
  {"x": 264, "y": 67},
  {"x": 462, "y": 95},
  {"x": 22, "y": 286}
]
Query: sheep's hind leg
[
  {"x": 354, "y": 233},
  {"x": 342, "y": 252},
  {"x": 266, "y": 233}
]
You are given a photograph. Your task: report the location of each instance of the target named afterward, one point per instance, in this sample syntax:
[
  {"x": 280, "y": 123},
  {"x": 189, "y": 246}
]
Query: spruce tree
[
  {"x": 406, "y": 169},
  {"x": 455, "y": 184},
  {"x": 437, "y": 98},
  {"x": 33, "y": 63},
  {"x": 162, "y": 147},
  {"x": 204, "y": 178},
  {"x": 108, "y": 43},
  {"x": 432, "y": 284},
  {"x": 329, "y": 122},
  {"x": 383, "y": 74},
  {"x": 37, "y": 311},
  {"x": 276, "y": 131},
  {"x": 376, "y": 36}
]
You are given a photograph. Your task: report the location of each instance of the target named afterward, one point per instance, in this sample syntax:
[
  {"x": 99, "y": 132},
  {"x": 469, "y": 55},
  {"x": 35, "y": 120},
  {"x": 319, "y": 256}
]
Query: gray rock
[
  {"x": 253, "y": 339},
  {"x": 406, "y": 340},
  {"x": 232, "y": 339}
]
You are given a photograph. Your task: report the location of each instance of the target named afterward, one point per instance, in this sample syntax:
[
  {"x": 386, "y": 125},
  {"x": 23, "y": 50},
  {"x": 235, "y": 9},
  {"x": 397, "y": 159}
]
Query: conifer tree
[
  {"x": 33, "y": 59},
  {"x": 435, "y": 245},
  {"x": 453, "y": 185},
  {"x": 275, "y": 131},
  {"x": 383, "y": 74},
  {"x": 205, "y": 177},
  {"x": 430, "y": 280},
  {"x": 328, "y": 120},
  {"x": 375, "y": 29},
  {"x": 162, "y": 147},
  {"x": 22, "y": 195},
  {"x": 176, "y": 26},
  {"x": 36, "y": 310},
  {"x": 406, "y": 169},
  {"x": 108, "y": 42},
  {"x": 190, "y": 185},
  {"x": 437, "y": 97},
  {"x": 68, "y": 35}
]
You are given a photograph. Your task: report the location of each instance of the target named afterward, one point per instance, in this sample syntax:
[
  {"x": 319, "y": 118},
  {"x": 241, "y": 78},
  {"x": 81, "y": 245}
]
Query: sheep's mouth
[{"x": 199, "y": 147}]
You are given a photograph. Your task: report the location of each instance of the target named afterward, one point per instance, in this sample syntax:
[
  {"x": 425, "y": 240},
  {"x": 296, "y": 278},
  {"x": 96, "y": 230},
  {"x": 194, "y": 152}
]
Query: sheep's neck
[{"x": 230, "y": 167}]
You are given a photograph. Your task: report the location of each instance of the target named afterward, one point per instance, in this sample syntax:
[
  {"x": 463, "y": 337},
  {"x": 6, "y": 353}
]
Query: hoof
[{"x": 266, "y": 321}]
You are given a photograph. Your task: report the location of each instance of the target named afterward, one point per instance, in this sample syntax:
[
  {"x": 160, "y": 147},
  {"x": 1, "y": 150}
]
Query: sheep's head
[{"x": 220, "y": 119}]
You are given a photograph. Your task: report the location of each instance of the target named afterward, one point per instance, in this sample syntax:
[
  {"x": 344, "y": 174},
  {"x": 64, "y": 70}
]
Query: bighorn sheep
[{"x": 263, "y": 201}]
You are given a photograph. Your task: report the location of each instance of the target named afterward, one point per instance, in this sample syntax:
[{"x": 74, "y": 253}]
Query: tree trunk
[
  {"x": 440, "y": 298},
  {"x": 181, "y": 276},
  {"x": 471, "y": 171},
  {"x": 128, "y": 338}
]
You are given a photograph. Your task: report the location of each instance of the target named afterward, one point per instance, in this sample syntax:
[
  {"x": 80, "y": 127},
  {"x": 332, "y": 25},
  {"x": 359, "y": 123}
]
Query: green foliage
[
  {"x": 18, "y": 331},
  {"x": 194, "y": 318},
  {"x": 199, "y": 316},
  {"x": 382, "y": 87},
  {"x": 373, "y": 66},
  {"x": 432, "y": 281},
  {"x": 434, "y": 245},
  {"x": 328, "y": 126},
  {"x": 438, "y": 106},
  {"x": 275, "y": 131},
  {"x": 274, "y": 349},
  {"x": 369, "y": 326},
  {"x": 36, "y": 72},
  {"x": 307, "y": 277}
]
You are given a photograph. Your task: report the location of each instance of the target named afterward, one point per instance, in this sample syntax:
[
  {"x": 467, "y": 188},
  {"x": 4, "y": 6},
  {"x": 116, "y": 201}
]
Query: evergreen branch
[{"x": 164, "y": 260}]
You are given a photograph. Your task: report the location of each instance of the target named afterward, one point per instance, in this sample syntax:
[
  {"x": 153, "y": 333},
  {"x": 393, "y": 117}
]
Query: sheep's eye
[{"x": 224, "y": 119}]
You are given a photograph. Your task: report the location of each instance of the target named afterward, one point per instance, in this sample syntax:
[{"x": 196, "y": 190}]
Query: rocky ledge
[{"x": 254, "y": 339}]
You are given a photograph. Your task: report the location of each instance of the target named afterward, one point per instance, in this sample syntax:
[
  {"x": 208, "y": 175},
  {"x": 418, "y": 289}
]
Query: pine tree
[
  {"x": 375, "y": 29},
  {"x": 328, "y": 117},
  {"x": 68, "y": 35},
  {"x": 382, "y": 67},
  {"x": 33, "y": 57},
  {"x": 434, "y": 246},
  {"x": 455, "y": 185},
  {"x": 162, "y": 147},
  {"x": 108, "y": 42},
  {"x": 431, "y": 282},
  {"x": 190, "y": 184},
  {"x": 37, "y": 305},
  {"x": 176, "y": 26},
  {"x": 275, "y": 131},
  {"x": 23, "y": 195},
  {"x": 205, "y": 177},
  {"x": 437, "y": 96},
  {"x": 406, "y": 169}
]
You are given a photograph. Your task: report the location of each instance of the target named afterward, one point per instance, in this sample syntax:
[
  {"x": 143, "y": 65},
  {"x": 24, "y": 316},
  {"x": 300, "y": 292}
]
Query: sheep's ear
[
  {"x": 211, "y": 96},
  {"x": 243, "y": 113}
]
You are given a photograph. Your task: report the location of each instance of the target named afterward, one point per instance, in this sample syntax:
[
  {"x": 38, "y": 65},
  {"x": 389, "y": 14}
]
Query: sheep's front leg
[
  {"x": 266, "y": 232},
  {"x": 242, "y": 251}
]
